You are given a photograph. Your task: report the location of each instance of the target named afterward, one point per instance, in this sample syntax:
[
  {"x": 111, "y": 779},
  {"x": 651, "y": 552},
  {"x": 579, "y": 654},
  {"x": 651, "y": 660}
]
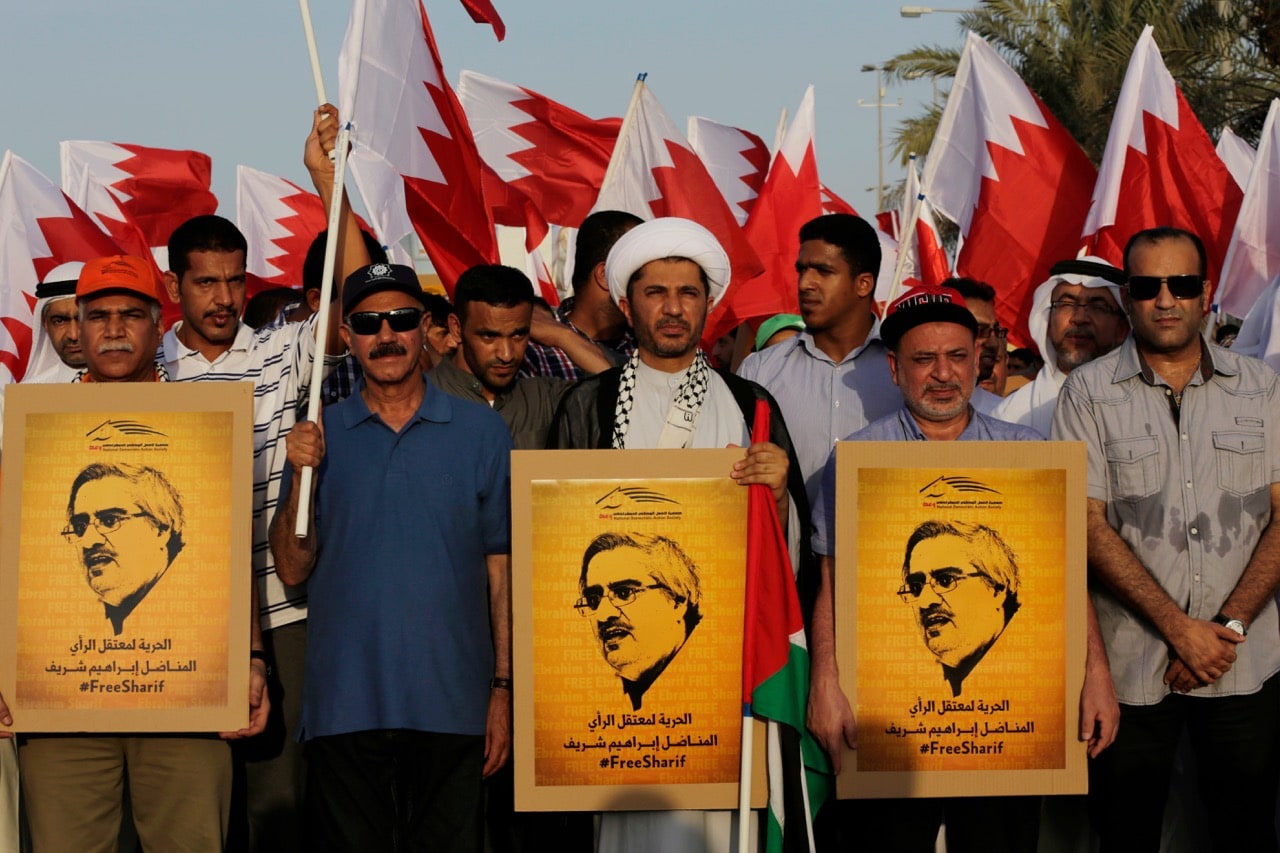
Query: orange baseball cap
[{"x": 118, "y": 272}]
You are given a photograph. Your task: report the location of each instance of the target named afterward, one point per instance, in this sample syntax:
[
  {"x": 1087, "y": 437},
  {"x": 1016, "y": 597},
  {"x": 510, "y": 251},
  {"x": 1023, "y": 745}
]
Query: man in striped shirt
[{"x": 210, "y": 343}]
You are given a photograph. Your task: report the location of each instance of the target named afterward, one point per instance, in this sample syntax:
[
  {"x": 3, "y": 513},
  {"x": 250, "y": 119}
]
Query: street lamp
[
  {"x": 879, "y": 104},
  {"x": 919, "y": 11}
]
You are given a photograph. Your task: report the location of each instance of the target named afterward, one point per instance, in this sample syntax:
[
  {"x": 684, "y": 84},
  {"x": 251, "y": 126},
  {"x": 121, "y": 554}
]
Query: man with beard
[
  {"x": 933, "y": 359},
  {"x": 408, "y": 678},
  {"x": 1184, "y": 554},
  {"x": 495, "y": 322},
  {"x": 1075, "y": 318},
  {"x": 665, "y": 275},
  {"x": 179, "y": 785}
]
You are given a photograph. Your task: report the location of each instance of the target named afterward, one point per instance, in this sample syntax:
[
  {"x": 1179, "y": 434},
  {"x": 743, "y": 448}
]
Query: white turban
[{"x": 669, "y": 237}]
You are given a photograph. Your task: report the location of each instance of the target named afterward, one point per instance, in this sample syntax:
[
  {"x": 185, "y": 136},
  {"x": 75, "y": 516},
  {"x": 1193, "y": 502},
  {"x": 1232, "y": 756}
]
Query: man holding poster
[
  {"x": 665, "y": 275},
  {"x": 962, "y": 582},
  {"x": 180, "y": 786}
]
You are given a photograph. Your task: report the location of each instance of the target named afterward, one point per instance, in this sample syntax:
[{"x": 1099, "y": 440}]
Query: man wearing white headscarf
[
  {"x": 666, "y": 275},
  {"x": 1075, "y": 318}
]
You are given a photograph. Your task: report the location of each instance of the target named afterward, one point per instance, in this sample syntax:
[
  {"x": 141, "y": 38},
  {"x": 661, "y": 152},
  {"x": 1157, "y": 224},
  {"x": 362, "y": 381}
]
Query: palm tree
[{"x": 1225, "y": 56}]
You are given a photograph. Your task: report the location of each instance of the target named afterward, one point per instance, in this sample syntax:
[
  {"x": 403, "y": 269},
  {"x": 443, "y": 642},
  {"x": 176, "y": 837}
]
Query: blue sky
[{"x": 231, "y": 78}]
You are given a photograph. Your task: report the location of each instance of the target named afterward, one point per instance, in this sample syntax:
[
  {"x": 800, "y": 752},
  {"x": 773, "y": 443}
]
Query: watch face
[{"x": 1236, "y": 625}]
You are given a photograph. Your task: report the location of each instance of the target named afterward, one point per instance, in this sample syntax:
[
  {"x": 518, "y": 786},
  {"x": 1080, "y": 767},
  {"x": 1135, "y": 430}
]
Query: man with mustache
[
  {"x": 127, "y": 524},
  {"x": 1075, "y": 318},
  {"x": 933, "y": 359},
  {"x": 1184, "y": 554},
  {"x": 407, "y": 692},
  {"x": 207, "y": 278},
  {"x": 642, "y": 597},
  {"x": 961, "y": 581}
]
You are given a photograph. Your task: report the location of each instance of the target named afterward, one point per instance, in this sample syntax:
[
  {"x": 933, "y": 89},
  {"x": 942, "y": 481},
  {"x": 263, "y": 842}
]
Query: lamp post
[
  {"x": 920, "y": 11},
  {"x": 879, "y": 104}
]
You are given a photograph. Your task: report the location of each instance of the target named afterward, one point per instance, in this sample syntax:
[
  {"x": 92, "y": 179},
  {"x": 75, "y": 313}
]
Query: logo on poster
[
  {"x": 116, "y": 434},
  {"x": 959, "y": 492},
  {"x": 638, "y": 502}
]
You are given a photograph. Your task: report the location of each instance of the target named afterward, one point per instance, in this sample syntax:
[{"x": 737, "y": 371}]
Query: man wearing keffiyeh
[{"x": 665, "y": 276}]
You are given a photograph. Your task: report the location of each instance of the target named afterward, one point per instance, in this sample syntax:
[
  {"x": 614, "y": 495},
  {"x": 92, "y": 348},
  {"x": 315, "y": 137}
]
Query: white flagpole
[
  {"x": 906, "y": 235},
  {"x": 744, "y": 785},
  {"x": 339, "y": 155},
  {"x": 305, "y": 8},
  {"x": 627, "y": 120}
]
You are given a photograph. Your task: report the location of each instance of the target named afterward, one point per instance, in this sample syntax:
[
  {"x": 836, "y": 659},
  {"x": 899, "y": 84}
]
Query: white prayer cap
[{"x": 669, "y": 237}]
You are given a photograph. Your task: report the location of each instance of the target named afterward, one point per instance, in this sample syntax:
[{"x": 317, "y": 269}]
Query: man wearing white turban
[
  {"x": 1075, "y": 318},
  {"x": 666, "y": 275}
]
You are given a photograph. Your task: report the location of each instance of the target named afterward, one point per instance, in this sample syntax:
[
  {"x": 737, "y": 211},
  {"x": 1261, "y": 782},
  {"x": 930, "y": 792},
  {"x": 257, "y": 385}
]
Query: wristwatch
[{"x": 1231, "y": 624}]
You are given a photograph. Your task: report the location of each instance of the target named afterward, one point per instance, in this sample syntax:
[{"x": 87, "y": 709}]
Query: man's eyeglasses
[
  {"x": 986, "y": 330},
  {"x": 104, "y": 522},
  {"x": 1096, "y": 309},
  {"x": 1145, "y": 287},
  {"x": 370, "y": 322},
  {"x": 619, "y": 596},
  {"x": 940, "y": 582}
]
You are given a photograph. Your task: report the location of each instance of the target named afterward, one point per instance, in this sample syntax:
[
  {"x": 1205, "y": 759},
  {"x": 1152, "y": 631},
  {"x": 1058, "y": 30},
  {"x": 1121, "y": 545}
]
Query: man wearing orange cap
[{"x": 180, "y": 786}]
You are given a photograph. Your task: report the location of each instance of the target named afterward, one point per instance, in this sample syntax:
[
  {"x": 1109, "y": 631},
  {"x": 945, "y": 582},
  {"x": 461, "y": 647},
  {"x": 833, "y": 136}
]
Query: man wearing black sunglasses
[
  {"x": 407, "y": 683},
  {"x": 1183, "y": 485}
]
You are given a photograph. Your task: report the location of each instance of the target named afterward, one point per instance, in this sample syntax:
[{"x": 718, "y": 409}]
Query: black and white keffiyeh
[{"x": 683, "y": 414}]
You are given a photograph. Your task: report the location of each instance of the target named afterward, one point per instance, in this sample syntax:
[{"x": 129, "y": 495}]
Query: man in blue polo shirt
[{"x": 406, "y": 704}]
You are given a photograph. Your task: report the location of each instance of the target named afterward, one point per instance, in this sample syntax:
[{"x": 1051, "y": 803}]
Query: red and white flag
[
  {"x": 482, "y": 12},
  {"x": 1253, "y": 256},
  {"x": 737, "y": 159},
  {"x": 40, "y": 228},
  {"x": 131, "y": 186},
  {"x": 926, "y": 261},
  {"x": 552, "y": 154},
  {"x": 280, "y": 220},
  {"x": 413, "y": 157},
  {"x": 791, "y": 196},
  {"x": 1237, "y": 155},
  {"x": 1159, "y": 167},
  {"x": 832, "y": 203},
  {"x": 655, "y": 173},
  {"x": 1011, "y": 177}
]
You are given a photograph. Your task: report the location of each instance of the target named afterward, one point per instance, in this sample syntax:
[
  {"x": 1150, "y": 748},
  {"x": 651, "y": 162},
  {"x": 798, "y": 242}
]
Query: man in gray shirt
[{"x": 1183, "y": 483}]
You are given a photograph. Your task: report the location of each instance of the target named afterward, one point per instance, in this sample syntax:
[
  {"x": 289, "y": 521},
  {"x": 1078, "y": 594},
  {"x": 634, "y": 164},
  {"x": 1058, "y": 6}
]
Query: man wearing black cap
[
  {"x": 406, "y": 704},
  {"x": 934, "y": 361}
]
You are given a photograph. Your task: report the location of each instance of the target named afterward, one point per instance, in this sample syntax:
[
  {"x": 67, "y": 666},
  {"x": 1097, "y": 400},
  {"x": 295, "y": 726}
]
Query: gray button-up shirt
[
  {"x": 821, "y": 400},
  {"x": 1187, "y": 486}
]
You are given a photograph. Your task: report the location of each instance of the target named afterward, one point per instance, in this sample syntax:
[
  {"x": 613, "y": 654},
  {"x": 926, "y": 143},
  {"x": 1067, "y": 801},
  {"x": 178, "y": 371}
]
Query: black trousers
[
  {"x": 394, "y": 790},
  {"x": 1236, "y": 741},
  {"x": 974, "y": 824}
]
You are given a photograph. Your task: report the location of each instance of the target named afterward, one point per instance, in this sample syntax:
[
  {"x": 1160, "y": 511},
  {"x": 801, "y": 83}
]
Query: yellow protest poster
[
  {"x": 628, "y": 580},
  {"x": 124, "y": 558},
  {"x": 960, "y": 582}
]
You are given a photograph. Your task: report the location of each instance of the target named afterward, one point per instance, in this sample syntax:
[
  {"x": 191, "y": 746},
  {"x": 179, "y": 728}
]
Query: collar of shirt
[
  {"x": 805, "y": 341},
  {"x": 911, "y": 429},
  {"x": 436, "y": 406},
  {"x": 1131, "y": 363},
  {"x": 175, "y": 349}
]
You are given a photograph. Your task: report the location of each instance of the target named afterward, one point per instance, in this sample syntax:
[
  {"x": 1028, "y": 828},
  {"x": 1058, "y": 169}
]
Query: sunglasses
[
  {"x": 1144, "y": 287},
  {"x": 370, "y": 322}
]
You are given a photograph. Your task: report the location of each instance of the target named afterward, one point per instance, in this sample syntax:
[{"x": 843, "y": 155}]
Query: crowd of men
[{"x": 380, "y": 671}]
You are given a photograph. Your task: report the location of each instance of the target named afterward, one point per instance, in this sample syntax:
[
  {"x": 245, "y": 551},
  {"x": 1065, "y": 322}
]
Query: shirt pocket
[
  {"x": 1241, "y": 462},
  {"x": 1134, "y": 467}
]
